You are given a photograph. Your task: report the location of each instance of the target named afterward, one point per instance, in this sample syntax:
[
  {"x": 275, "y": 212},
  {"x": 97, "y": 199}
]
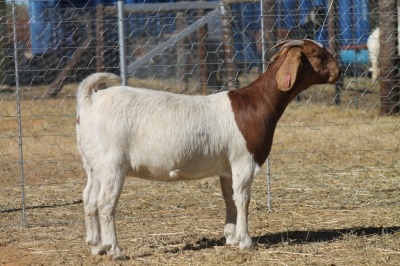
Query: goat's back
[{"x": 160, "y": 132}]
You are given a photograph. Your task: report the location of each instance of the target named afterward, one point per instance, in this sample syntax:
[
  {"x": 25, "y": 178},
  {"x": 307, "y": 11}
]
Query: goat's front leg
[
  {"x": 231, "y": 213},
  {"x": 241, "y": 194}
]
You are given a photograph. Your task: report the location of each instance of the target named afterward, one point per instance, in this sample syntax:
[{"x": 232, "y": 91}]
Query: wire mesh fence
[{"x": 331, "y": 137}]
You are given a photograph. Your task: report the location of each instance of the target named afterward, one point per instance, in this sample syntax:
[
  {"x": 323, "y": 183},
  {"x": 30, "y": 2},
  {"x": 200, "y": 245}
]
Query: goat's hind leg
[
  {"x": 112, "y": 179},
  {"x": 231, "y": 213},
  {"x": 91, "y": 212}
]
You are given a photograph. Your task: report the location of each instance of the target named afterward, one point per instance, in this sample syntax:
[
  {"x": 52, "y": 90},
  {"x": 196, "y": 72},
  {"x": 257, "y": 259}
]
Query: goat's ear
[{"x": 287, "y": 73}]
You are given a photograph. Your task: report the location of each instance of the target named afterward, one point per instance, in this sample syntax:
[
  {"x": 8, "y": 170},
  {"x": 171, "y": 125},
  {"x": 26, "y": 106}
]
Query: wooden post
[
  {"x": 332, "y": 26},
  {"x": 99, "y": 38},
  {"x": 182, "y": 57},
  {"x": 389, "y": 84},
  {"x": 333, "y": 45},
  {"x": 269, "y": 23},
  {"x": 228, "y": 47},
  {"x": 3, "y": 43},
  {"x": 202, "y": 53},
  {"x": 56, "y": 85},
  {"x": 282, "y": 33}
]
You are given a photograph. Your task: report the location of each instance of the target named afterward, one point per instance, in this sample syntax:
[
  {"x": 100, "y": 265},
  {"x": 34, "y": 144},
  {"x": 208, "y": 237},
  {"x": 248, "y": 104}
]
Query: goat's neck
[
  {"x": 268, "y": 99},
  {"x": 257, "y": 109}
]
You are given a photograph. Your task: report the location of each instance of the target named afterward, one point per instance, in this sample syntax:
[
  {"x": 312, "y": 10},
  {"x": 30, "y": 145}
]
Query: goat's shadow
[{"x": 299, "y": 237}]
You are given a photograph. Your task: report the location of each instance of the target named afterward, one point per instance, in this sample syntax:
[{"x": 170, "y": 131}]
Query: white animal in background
[
  {"x": 373, "y": 51},
  {"x": 163, "y": 136},
  {"x": 373, "y": 46}
]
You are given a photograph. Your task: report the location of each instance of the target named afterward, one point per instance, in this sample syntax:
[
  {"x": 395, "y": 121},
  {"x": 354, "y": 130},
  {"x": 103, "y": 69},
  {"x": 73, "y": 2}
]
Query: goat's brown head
[{"x": 306, "y": 63}]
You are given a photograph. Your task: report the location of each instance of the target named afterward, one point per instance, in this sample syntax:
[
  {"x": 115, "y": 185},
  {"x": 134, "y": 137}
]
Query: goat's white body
[
  {"x": 163, "y": 136},
  {"x": 159, "y": 136}
]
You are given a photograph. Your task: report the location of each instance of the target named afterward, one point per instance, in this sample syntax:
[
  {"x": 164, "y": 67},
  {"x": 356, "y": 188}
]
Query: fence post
[
  {"x": 21, "y": 157},
  {"x": 181, "y": 55},
  {"x": 268, "y": 22},
  {"x": 333, "y": 43},
  {"x": 228, "y": 47},
  {"x": 99, "y": 37},
  {"x": 266, "y": 7},
  {"x": 4, "y": 63},
  {"x": 121, "y": 41},
  {"x": 388, "y": 58},
  {"x": 202, "y": 53}
]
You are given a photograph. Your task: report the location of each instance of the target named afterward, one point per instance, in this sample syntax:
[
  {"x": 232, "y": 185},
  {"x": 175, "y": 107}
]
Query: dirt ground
[
  {"x": 335, "y": 194},
  {"x": 182, "y": 224}
]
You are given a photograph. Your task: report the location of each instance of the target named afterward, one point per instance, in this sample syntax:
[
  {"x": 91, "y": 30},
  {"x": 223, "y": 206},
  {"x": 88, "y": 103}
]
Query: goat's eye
[{"x": 316, "y": 58}]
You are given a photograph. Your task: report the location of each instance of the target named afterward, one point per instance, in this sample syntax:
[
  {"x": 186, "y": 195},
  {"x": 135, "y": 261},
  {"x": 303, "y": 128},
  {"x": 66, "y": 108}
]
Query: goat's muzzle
[{"x": 334, "y": 72}]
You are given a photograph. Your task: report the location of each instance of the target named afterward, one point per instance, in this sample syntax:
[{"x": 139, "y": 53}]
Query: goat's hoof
[
  {"x": 116, "y": 254},
  {"x": 119, "y": 257},
  {"x": 100, "y": 249},
  {"x": 92, "y": 241},
  {"x": 230, "y": 240},
  {"x": 97, "y": 250},
  {"x": 230, "y": 234},
  {"x": 246, "y": 243}
]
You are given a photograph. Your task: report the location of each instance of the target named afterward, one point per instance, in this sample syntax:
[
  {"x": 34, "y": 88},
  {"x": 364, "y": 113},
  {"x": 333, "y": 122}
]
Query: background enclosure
[{"x": 335, "y": 161}]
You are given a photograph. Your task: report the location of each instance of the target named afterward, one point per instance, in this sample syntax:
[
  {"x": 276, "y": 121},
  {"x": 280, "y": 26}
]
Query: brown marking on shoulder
[
  {"x": 255, "y": 118},
  {"x": 77, "y": 120}
]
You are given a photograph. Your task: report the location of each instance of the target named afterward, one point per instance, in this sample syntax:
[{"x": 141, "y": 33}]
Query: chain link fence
[{"x": 335, "y": 133}]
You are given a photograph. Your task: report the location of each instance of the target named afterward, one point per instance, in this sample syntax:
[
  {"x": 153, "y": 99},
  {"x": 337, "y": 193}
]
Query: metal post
[
  {"x": 264, "y": 68},
  {"x": 21, "y": 158},
  {"x": 121, "y": 38},
  {"x": 263, "y": 44},
  {"x": 269, "y": 184}
]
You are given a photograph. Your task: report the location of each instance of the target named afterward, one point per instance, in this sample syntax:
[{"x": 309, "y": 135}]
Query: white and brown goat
[{"x": 163, "y": 136}]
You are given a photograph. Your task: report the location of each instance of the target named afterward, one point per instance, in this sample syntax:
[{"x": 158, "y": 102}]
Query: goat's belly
[{"x": 179, "y": 174}]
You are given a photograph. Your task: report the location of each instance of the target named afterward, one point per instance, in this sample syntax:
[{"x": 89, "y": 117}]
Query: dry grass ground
[{"x": 335, "y": 192}]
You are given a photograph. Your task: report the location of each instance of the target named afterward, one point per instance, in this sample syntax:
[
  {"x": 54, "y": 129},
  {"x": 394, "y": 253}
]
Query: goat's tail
[{"x": 92, "y": 83}]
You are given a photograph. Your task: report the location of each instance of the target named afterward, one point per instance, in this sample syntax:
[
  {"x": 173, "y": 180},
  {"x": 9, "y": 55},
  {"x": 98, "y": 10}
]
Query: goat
[
  {"x": 373, "y": 46},
  {"x": 164, "y": 136},
  {"x": 373, "y": 50}
]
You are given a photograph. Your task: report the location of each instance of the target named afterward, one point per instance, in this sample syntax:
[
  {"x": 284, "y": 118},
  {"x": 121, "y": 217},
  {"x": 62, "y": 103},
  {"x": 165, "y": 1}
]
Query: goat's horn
[{"x": 288, "y": 43}]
